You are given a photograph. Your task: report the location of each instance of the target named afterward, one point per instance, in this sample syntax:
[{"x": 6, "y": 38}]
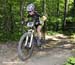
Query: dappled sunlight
[
  {"x": 56, "y": 37},
  {"x": 52, "y": 48},
  {"x": 59, "y": 40},
  {"x": 61, "y": 36}
]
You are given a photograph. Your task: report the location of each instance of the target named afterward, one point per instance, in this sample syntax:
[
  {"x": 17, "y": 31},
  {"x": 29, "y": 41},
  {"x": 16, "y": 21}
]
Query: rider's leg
[{"x": 39, "y": 27}]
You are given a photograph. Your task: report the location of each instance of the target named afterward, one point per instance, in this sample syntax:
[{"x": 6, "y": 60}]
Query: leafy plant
[{"x": 70, "y": 61}]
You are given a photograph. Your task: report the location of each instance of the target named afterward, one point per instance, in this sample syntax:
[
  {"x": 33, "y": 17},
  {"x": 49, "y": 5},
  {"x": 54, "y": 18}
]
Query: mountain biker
[{"x": 35, "y": 16}]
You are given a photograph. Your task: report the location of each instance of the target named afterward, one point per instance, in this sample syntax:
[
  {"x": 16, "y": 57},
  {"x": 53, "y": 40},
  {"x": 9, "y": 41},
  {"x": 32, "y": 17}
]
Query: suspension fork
[
  {"x": 31, "y": 39},
  {"x": 30, "y": 32}
]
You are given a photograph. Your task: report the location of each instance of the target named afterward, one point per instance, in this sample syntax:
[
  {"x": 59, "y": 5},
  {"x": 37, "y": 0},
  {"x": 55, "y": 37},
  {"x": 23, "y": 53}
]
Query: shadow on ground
[{"x": 55, "y": 51}]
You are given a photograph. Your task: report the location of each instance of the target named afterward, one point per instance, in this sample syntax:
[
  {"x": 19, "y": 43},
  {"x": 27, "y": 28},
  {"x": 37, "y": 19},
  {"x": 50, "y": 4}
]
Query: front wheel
[{"x": 25, "y": 46}]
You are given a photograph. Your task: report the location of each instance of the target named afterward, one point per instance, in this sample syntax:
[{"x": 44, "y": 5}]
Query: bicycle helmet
[{"x": 30, "y": 7}]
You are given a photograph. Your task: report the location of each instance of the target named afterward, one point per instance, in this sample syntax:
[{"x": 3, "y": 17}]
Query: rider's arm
[{"x": 43, "y": 18}]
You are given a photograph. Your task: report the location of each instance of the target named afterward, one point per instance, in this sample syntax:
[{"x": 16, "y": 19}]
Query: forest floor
[{"x": 56, "y": 51}]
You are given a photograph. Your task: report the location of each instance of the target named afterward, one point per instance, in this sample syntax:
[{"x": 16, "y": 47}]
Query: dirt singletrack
[{"x": 55, "y": 52}]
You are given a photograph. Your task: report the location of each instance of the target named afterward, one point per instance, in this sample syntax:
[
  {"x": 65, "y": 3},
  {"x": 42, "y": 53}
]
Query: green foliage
[
  {"x": 10, "y": 17},
  {"x": 69, "y": 19},
  {"x": 70, "y": 61},
  {"x": 52, "y": 32}
]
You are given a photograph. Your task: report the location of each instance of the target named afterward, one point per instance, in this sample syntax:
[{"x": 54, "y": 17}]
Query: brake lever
[{"x": 23, "y": 22}]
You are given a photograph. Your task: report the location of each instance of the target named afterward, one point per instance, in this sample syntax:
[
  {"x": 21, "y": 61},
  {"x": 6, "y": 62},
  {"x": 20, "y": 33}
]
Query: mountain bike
[{"x": 27, "y": 42}]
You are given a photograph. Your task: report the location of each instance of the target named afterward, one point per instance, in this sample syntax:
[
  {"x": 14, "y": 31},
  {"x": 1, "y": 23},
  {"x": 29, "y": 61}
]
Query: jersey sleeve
[{"x": 37, "y": 14}]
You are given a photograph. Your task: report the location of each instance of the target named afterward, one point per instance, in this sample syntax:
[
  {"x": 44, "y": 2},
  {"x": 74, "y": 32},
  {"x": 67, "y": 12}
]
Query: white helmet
[{"x": 30, "y": 7}]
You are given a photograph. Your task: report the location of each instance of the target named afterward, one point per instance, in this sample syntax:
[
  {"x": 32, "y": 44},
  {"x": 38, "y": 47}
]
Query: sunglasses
[{"x": 29, "y": 11}]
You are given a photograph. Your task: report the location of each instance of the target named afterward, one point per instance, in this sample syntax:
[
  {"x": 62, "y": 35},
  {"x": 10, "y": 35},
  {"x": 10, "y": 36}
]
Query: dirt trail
[{"x": 55, "y": 52}]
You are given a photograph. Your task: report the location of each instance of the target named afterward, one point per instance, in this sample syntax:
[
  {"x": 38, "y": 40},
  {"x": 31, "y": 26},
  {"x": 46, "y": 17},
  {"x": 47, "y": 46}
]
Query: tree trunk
[
  {"x": 74, "y": 3},
  {"x": 5, "y": 19},
  {"x": 58, "y": 8},
  {"x": 65, "y": 11},
  {"x": 21, "y": 9},
  {"x": 44, "y": 13},
  {"x": 57, "y": 23},
  {"x": 10, "y": 19},
  {"x": 22, "y": 14},
  {"x": 74, "y": 8}
]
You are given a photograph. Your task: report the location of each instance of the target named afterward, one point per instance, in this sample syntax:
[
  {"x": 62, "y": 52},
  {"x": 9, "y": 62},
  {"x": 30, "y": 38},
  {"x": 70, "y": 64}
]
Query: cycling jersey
[{"x": 35, "y": 18}]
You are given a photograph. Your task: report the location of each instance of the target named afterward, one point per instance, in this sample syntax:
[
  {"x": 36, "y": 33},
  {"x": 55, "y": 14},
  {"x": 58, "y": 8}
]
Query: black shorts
[{"x": 37, "y": 25}]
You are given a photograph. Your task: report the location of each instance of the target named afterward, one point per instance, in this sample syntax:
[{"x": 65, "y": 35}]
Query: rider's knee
[{"x": 39, "y": 29}]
